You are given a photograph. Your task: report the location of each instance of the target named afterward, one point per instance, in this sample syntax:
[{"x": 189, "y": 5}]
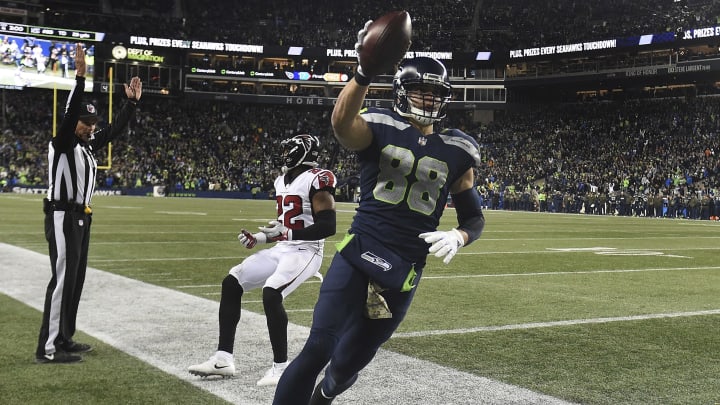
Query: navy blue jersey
[{"x": 405, "y": 179}]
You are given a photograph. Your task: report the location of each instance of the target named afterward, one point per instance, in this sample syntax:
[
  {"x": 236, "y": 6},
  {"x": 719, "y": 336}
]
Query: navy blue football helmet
[{"x": 422, "y": 90}]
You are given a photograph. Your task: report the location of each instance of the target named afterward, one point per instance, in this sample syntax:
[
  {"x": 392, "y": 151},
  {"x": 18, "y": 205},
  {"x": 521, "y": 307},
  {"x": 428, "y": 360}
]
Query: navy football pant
[{"x": 340, "y": 334}]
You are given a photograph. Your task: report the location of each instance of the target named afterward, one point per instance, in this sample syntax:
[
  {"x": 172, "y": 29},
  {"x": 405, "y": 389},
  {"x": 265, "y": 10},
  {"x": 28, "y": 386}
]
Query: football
[{"x": 386, "y": 42}]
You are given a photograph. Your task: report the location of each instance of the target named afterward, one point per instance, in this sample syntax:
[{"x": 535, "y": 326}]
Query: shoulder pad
[{"x": 463, "y": 141}]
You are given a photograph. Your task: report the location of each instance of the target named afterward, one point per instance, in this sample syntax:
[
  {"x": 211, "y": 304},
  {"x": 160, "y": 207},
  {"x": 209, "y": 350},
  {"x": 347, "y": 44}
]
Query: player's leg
[
  {"x": 58, "y": 232},
  {"x": 295, "y": 266},
  {"x": 246, "y": 276},
  {"x": 52, "y": 248},
  {"x": 359, "y": 344},
  {"x": 81, "y": 231},
  {"x": 341, "y": 302}
]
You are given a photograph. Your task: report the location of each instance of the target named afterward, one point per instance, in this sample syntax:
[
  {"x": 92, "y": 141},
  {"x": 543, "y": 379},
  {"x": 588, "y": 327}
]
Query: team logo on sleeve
[{"x": 326, "y": 179}]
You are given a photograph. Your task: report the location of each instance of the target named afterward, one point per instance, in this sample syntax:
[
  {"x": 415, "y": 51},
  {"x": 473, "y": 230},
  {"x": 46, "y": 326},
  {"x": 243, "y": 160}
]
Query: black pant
[{"x": 68, "y": 236}]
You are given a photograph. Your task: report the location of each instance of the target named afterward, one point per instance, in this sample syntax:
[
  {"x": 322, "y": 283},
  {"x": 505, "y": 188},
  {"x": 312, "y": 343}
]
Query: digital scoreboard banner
[
  {"x": 48, "y": 32},
  {"x": 271, "y": 51},
  {"x": 195, "y": 45},
  {"x": 585, "y": 47},
  {"x": 284, "y": 75},
  {"x": 700, "y": 33},
  {"x": 44, "y": 57}
]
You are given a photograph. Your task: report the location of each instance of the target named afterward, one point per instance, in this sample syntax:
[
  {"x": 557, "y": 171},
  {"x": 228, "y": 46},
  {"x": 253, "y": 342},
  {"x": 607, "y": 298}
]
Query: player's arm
[
  {"x": 66, "y": 133},
  {"x": 468, "y": 207},
  {"x": 133, "y": 91},
  {"x": 350, "y": 129},
  {"x": 324, "y": 218},
  {"x": 323, "y": 206}
]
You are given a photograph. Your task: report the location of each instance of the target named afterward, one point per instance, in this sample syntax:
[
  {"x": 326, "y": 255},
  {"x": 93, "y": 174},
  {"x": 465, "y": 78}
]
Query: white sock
[{"x": 225, "y": 356}]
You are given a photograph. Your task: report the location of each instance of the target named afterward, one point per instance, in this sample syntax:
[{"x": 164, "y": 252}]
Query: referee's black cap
[{"x": 88, "y": 113}]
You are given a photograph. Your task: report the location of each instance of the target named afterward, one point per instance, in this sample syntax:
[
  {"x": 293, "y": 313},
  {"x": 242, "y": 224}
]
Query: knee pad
[
  {"x": 273, "y": 306},
  {"x": 231, "y": 287},
  {"x": 271, "y": 297}
]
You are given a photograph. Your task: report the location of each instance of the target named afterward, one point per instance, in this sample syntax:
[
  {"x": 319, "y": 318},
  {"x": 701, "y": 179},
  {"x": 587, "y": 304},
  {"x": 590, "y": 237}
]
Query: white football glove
[
  {"x": 249, "y": 240},
  {"x": 361, "y": 37},
  {"x": 444, "y": 243},
  {"x": 276, "y": 231},
  {"x": 358, "y": 45}
]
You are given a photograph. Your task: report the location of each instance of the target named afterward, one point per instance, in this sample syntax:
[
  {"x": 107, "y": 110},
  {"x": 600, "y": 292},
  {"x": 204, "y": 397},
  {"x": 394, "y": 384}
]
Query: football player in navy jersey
[{"x": 407, "y": 170}]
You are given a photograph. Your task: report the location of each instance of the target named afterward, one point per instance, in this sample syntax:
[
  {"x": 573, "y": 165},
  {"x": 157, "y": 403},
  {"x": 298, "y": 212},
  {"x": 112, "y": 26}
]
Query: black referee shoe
[
  {"x": 58, "y": 357},
  {"x": 76, "y": 348}
]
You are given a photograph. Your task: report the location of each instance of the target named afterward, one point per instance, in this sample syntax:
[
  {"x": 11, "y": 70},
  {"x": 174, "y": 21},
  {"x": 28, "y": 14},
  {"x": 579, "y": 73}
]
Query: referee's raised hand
[
  {"x": 80, "y": 67},
  {"x": 133, "y": 91}
]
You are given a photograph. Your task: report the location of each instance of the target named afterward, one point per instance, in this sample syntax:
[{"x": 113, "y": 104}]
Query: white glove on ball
[
  {"x": 444, "y": 243},
  {"x": 361, "y": 36}
]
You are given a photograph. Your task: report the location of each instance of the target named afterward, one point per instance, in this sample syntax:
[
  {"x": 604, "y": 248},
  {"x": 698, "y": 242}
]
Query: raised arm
[
  {"x": 380, "y": 46},
  {"x": 350, "y": 129},
  {"x": 66, "y": 133}
]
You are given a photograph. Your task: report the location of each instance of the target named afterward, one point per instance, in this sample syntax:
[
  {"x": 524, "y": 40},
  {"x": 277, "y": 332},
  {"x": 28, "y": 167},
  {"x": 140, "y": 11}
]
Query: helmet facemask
[
  {"x": 422, "y": 90},
  {"x": 424, "y": 105}
]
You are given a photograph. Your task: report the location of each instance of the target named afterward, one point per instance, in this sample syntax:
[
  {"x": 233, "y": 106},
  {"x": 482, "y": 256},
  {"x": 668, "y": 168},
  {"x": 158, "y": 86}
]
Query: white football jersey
[{"x": 294, "y": 200}]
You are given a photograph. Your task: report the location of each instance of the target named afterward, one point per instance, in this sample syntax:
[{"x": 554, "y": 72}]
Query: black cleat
[
  {"x": 318, "y": 398},
  {"x": 74, "y": 347},
  {"x": 58, "y": 357}
]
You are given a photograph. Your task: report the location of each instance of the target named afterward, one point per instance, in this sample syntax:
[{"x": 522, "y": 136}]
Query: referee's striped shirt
[
  {"x": 72, "y": 167},
  {"x": 72, "y": 174}
]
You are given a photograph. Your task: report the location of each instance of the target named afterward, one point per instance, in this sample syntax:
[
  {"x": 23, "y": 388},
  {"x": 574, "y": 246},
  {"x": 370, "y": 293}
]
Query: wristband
[{"x": 361, "y": 79}]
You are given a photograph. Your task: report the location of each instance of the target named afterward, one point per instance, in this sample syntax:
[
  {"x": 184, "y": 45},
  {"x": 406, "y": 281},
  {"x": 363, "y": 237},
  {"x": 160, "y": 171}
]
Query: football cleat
[
  {"x": 273, "y": 375},
  {"x": 213, "y": 366},
  {"x": 318, "y": 396},
  {"x": 74, "y": 347},
  {"x": 58, "y": 357}
]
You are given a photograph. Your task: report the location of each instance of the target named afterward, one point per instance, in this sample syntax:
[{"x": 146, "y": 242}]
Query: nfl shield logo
[{"x": 422, "y": 141}]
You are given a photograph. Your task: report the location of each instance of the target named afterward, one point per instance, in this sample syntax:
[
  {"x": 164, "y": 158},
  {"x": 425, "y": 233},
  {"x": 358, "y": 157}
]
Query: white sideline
[{"x": 171, "y": 330}]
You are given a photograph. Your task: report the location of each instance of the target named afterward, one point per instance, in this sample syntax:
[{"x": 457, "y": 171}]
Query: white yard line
[
  {"x": 570, "y": 322},
  {"x": 170, "y": 329},
  {"x": 558, "y": 273}
]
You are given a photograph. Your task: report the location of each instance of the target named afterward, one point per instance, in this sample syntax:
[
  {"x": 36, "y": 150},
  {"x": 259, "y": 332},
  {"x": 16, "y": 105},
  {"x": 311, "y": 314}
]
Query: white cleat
[
  {"x": 272, "y": 376},
  {"x": 214, "y": 366}
]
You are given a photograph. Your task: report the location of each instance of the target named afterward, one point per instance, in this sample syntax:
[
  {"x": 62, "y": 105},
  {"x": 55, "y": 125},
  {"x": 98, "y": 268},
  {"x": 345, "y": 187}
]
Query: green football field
[{"x": 589, "y": 309}]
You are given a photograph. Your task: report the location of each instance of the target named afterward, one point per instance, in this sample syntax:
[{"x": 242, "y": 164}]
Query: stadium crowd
[
  {"x": 638, "y": 157},
  {"x": 457, "y": 25},
  {"x": 559, "y": 158}
]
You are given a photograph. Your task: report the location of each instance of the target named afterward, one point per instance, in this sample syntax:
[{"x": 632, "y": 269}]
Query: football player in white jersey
[{"x": 305, "y": 216}]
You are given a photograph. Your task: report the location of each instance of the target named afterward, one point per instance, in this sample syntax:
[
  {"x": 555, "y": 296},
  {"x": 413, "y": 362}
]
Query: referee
[{"x": 68, "y": 216}]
